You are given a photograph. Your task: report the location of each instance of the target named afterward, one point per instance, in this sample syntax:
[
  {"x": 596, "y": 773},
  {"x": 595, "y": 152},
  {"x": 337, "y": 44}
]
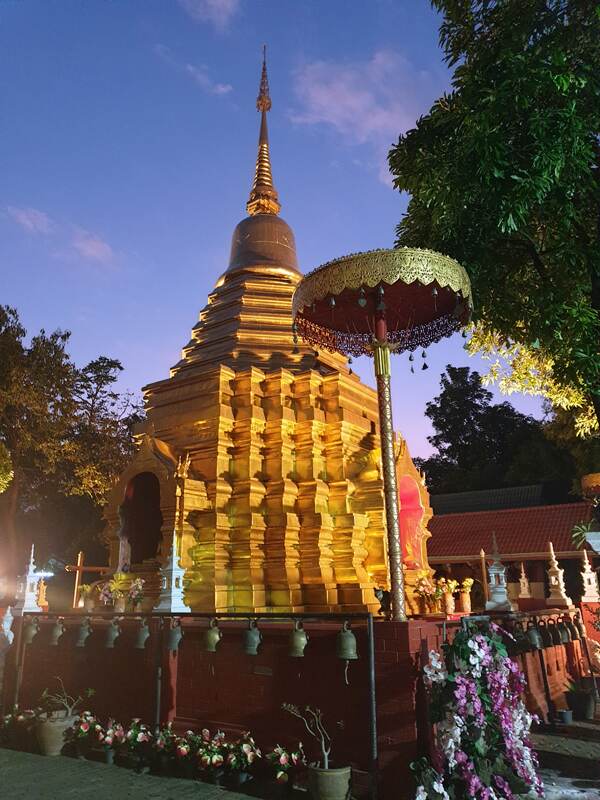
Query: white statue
[
  {"x": 170, "y": 599},
  {"x": 28, "y": 587},
  {"x": 590, "y": 581},
  {"x": 497, "y": 588},
  {"x": 524, "y": 588},
  {"x": 558, "y": 596}
]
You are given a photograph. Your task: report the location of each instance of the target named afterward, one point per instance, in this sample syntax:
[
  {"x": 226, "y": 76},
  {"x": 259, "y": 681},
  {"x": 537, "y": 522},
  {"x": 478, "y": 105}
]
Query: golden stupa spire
[{"x": 263, "y": 197}]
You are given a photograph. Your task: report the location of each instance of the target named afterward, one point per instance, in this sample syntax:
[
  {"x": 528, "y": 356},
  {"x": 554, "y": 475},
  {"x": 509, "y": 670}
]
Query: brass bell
[
  {"x": 30, "y": 631},
  {"x": 572, "y": 628},
  {"x": 554, "y": 632},
  {"x": 143, "y": 632},
  {"x": 113, "y": 632},
  {"x": 252, "y": 638},
  {"x": 298, "y": 640},
  {"x": 580, "y": 626},
  {"x": 565, "y": 636},
  {"x": 212, "y": 636},
  {"x": 534, "y": 636},
  {"x": 174, "y": 637},
  {"x": 56, "y": 632},
  {"x": 83, "y": 632},
  {"x": 545, "y": 634},
  {"x": 345, "y": 644}
]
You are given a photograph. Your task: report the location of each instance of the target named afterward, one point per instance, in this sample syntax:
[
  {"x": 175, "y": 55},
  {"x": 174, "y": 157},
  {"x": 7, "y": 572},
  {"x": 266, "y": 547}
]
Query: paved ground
[
  {"x": 571, "y": 772},
  {"x": 24, "y": 776}
]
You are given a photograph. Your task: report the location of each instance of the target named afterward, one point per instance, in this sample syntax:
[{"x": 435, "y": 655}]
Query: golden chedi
[{"x": 260, "y": 456}]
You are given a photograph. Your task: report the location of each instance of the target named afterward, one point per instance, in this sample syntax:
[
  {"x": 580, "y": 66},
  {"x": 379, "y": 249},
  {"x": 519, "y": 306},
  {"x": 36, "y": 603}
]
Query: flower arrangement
[
  {"x": 113, "y": 736},
  {"x": 313, "y": 722},
  {"x": 446, "y": 585},
  {"x": 136, "y": 591},
  {"x": 285, "y": 761},
  {"x": 426, "y": 587},
  {"x": 467, "y": 585},
  {"x": 482, "y": 725},
  {"x": 109, "y": 593},
  {"x": 85, "y": 590},
  {"x": 165, "y": 741},
  {"x": 212, "y": 751},
  {"x": 85, "y": 728},
  {"x": 242, "y": 754},
  {"x": 138, "y": 738}
]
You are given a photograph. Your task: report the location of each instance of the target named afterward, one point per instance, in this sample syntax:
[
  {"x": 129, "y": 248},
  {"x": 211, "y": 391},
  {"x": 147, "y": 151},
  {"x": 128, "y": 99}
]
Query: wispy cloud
[
  {"x": 91, "y": 247},
  {"x": 218, "y": 13},
  {"x": 31, "y": 220},
  {"x": 199, "y": 74},
  {"x": 365, "y": 103},
  {"x": 72, "y": 241}
]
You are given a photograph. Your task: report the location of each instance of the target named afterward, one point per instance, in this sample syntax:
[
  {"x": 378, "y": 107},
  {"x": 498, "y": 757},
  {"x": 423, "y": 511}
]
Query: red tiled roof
[{"x": 518, "y": 530}]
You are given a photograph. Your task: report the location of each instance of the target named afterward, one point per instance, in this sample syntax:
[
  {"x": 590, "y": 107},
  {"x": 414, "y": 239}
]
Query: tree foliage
[
  {"x": 67, "y": 431},
  {"x": 484, "y": 445},
  {"x": 504, "y": 175}
]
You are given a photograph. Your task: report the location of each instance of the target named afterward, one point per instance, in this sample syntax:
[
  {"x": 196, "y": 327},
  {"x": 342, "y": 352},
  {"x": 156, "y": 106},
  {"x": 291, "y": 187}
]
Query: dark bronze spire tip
[{"x": 263, "y": 101}]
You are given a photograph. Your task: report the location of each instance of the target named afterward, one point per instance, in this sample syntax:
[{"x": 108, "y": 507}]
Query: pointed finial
[
  {"x": 496, "y": 552},
  {"x": 586, "y": 561},
  {"x": 263, "y": 101},
  {"x": 263, "y": 197}
]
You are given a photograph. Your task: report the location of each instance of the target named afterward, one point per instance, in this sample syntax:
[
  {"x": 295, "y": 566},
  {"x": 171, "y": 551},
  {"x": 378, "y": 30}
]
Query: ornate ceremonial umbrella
[{"x": 376, "y": 303}]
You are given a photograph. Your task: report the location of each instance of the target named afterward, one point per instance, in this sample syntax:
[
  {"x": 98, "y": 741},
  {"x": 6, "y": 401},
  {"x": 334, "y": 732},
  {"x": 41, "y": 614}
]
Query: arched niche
[
  {"x": 142, "y": 516},
  {"x": 411, "y": 515}
]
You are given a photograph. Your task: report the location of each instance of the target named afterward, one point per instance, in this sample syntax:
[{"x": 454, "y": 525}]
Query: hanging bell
[
  {"x": 362, "y": 300},
  {"x": 464, "y": 333},
  {"x": 411, "y": 357},
  {"x": 30, "y": 631},
  {"x": 533, "y": 634},
  {"x": 212, "y": 636},
  {"x": 423, "y": 354},
  {"x": 424, "y": 366},
  {"x": 113, "y": 632},
  {"x": 298, "y": 640},
  {"x": 434, "y": 291},
  {"x": 143, "y": 632},
  {"x": 545, "y": 634},
  {"x": 565, "y": 633},
  {"x": 572, "y": 628},
  {"x": 332, "y": 301},
  {"x": 345, "y": 644},
  {"x": 83, "y": 632},
  {"x": 174, "y": 636},
  {"x": 580, "y": 626},
  {"x": 554, "y": 632},
  {"x": 56, "y": 632},
  {"x": 252, "y": 638},
  {"x": 412, "y": 369}
]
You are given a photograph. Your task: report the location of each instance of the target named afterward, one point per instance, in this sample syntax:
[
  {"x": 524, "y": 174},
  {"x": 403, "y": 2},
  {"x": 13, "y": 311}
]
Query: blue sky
[{"x": 129, "y": 131}]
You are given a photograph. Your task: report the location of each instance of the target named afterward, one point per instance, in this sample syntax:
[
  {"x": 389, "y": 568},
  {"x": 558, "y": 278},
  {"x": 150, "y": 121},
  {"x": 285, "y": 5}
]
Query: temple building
[{"x": 259, "y": 461}]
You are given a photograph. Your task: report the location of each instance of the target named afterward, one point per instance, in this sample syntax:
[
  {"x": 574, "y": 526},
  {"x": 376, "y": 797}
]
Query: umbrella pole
[{"x": 381, "y": 352}]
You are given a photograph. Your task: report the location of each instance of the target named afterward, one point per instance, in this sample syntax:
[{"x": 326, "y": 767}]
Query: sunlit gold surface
[
  {"x": 267, "y": 454},
  {"x": 405, "y": 264}
]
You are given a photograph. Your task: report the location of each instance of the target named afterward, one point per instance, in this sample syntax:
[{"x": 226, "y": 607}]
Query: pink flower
[
  {"x": 217, "y": 760},
  {"x": 284, "y": 759},
  {"x": 85, "y": 726}
]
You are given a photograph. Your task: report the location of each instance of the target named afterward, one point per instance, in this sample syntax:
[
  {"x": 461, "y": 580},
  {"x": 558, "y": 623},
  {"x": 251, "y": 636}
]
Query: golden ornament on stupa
[{"x": 260, "y": 457}]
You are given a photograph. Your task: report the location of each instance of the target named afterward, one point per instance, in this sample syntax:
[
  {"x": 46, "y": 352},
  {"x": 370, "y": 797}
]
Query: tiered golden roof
[{"x": 265, "y": 451}]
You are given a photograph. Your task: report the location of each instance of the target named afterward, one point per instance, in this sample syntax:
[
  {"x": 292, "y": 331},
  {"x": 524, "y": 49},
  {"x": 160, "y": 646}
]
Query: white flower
[{"x": 421, "y": 793}]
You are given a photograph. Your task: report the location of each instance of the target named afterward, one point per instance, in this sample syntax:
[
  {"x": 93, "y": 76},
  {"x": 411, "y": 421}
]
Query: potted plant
[
  {"x": 428, "y": 591},
  {"x": 286, "y": 763},
  {"x": 323, "y": 781},
  {"x": 86, "y": 593},
  {"x": 83, "y": 733},
  {"x": 16, "y": 729},
  {"x": 241, "y": 756},
  {"x": 212, "y": 752},
  {"x": 135, "y": 594},
  {"x": 111, "y": 739},
  {"x": 138, "y": 740},
  {"x": 186, "y": 754},
  {"x": 114, "y": 591},
  {"x": 447, "y": 588},
  {"x": 56, "y": 715},
  {"x": 581, "y": 701},
  {"x": 465, "y": 595},
  {"x": 165, "y": 743}
]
